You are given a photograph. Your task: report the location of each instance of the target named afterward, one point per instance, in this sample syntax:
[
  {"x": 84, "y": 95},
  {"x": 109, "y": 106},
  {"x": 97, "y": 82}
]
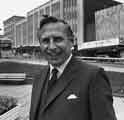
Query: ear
[
  {"x": 74, "y": 47},
  {"x": 74, "y": 41}
]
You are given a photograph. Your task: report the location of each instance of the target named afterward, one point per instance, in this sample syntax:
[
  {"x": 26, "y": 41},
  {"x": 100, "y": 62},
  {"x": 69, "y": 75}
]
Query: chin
[{"x": 55, "y": 63}]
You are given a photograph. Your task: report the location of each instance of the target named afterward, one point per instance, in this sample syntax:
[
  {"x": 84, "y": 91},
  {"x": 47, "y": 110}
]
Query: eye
[
  {"x": 45, "y": 40},
  {"x": 58, "y": 39}
]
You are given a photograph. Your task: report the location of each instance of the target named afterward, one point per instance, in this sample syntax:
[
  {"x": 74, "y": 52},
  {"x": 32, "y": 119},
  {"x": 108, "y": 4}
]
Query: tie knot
[{"x": 54, "y": 71}]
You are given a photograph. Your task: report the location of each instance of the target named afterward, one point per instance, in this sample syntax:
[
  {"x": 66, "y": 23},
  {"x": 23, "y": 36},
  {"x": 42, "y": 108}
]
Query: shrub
[{"x": 7, "y": 103}]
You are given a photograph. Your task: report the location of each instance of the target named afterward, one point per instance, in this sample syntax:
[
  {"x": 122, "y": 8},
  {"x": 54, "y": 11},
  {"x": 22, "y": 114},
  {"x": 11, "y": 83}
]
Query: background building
[
  {"x": 9, "y": 27},
  {"x": 82, "y": 15},
  {"x": 21, "y": 33},
  {"x": 65, "y": 9}
]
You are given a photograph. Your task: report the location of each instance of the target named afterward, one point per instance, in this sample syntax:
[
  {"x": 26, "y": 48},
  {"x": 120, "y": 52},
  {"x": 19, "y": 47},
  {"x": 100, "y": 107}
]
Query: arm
[{"x": 100, "y": 95}]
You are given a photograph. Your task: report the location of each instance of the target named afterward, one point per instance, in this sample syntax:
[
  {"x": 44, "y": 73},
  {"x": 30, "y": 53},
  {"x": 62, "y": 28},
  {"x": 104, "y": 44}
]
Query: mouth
[{"x": 54, "y": 55}]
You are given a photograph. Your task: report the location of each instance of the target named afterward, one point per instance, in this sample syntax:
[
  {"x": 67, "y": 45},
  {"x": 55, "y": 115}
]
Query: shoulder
[
  {"x": 95, "y": 73},
  {"x": 40, "y": 73},
  {"x": 91, "y": 70},
  {"x": 86, "y": 65}
]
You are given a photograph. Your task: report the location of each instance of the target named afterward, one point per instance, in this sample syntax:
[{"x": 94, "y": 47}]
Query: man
[{"x": 79, "y": 92}]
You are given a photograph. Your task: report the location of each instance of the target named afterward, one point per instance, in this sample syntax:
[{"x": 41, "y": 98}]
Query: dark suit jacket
[{"x": 82, "y": 92}]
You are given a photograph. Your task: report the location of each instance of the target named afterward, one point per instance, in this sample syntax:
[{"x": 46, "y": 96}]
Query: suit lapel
[{"x": 62, "y": 82}]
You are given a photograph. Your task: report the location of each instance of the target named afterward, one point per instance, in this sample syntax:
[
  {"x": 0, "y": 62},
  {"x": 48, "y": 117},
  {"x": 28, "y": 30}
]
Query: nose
[{"x": 52, "y": 44}]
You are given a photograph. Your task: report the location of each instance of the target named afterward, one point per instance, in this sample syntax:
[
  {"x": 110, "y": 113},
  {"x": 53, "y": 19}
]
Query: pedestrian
[{"x": 68, "y": 88}]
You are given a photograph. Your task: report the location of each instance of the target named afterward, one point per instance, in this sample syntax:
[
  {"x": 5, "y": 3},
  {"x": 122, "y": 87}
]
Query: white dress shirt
[{"x": 60, "y": 68}]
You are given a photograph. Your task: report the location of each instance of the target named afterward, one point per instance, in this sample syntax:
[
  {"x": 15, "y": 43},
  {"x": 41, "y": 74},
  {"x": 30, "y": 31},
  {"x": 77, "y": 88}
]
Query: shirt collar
[{"x": 62, "y": 67}]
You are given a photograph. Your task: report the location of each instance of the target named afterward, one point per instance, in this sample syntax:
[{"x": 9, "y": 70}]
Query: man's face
[{"x": 55, "y": 43}]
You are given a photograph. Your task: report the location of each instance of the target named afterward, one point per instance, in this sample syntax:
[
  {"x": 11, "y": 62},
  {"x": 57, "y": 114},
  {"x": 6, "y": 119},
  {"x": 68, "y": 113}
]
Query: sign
[{"x": 102, "y": 43}]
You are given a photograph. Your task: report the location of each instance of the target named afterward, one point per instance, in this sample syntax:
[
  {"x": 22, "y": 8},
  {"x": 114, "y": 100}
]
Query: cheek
[
  {"x": 42, "y": 47},
  {"x": 69, "y": 47}
]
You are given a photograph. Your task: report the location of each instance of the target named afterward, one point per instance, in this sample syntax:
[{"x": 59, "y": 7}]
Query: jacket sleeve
[{"x": 100, "y": 97}]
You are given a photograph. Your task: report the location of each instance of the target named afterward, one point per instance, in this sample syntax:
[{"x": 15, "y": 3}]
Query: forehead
[{"x": 54, "y": 29}]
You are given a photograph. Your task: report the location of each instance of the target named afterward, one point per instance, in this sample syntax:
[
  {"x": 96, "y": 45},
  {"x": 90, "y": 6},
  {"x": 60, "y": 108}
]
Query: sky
[{"x": 8, "y": 8}]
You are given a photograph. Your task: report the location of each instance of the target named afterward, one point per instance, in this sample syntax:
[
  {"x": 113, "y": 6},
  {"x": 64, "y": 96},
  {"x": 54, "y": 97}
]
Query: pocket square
[{"x": 72, "y": 96}]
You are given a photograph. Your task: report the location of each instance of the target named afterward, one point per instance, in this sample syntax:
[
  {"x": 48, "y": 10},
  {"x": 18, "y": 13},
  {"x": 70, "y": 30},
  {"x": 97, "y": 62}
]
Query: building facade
[
  {"x": 9, "y": 27},
  {"x": 21, "y": 33},
  {"x": 109, "y": 22},
  {"x": 80, "y": 14},
  {"x": 65, "y": 9},
  {"x": 33, "y": 19}
]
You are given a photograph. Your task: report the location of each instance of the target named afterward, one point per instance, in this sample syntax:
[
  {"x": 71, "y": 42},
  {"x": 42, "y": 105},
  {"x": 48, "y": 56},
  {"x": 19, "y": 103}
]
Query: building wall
[
  {"x": 107, "y": 23},
  {"x": 80, "y": 23},
  {"x": 65, "y": 9},
  {"x": 70, "y": 13},
  {"x": 33, "y": 19},
  {"x": 24, "y": 33},
  {"x": 55, "y": 8},
  {"x": 110, "y": 22},
  {"x": 69, "y": 10},
  {"x": 9, "y": 27},
  {"x": 18, "y": 36},
  {"x": 9, "y": 31},
  {"x": 30, "y": 29},
  {"x": 21, "y": 33}
]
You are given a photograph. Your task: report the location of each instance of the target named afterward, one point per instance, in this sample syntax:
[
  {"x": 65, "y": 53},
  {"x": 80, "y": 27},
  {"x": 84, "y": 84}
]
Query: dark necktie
[{"x": 53, "y": 79}]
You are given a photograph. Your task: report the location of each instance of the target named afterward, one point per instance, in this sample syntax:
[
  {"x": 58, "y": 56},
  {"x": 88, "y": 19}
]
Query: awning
[{"x": 94, "y": 5}]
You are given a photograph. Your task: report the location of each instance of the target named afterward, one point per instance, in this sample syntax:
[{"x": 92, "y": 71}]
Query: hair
[{"x": 50, "y": 19}]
